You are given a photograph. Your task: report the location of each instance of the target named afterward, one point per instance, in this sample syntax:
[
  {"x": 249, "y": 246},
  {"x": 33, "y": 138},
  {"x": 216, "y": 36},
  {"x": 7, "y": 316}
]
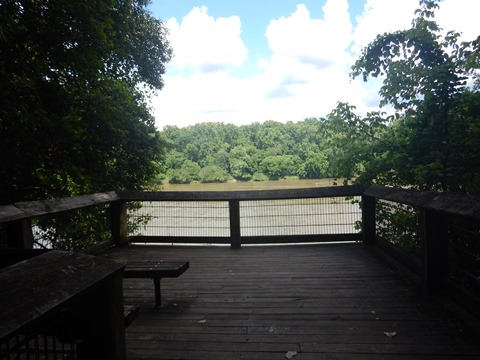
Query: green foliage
[
  {"x": 399, "y": 224},
  {"x": 259, "y": 177},
  {"x": 279, "y": 166},
  {"x": 274, "y": 149},
  {"x": 73, "y": 231},
  {"x": 213, "y": 174},
  {"x": 241, "y": 162},
  {"x": 73, "y": 119},
  {"x": 315, "y": 166},
  {"x": 188, "y": 172},
  {"x": 432, "y": 142}
]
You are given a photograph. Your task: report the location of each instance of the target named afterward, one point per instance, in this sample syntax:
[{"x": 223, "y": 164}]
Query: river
[{"x": 253, "y": 185}]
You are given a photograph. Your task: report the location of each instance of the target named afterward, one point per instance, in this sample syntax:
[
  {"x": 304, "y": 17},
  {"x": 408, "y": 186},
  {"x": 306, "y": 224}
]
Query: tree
[
  {"x": 356, "y": 143},
  {"x": 213, "y": 174},
  {"x": 241, "y": 163},
  {"x": 315, "y": 166},
  {"x": 244, "y": 150},
  {"x": 433, "y": 142},
  {"x": 188, "y": 172},
  {"x": 279, "y": 166},
  {"x": 73, "y": 112}
]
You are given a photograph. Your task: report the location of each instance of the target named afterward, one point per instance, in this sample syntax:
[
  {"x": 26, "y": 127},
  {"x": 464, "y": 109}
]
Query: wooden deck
[{"x": 304, "y": 302}]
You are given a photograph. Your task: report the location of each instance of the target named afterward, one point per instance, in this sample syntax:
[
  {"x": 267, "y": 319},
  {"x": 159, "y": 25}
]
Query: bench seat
[{"x": 155, "y": 270}]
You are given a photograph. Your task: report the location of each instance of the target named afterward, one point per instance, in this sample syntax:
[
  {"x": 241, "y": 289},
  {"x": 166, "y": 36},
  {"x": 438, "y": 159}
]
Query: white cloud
[
  {"x": 206, "y": 44},
  {"x": 460, "y": 15},
  {"x": 380, "y": 16},
  {"x": 304, "y": 76},
  {"x": 308, "y": 40}
]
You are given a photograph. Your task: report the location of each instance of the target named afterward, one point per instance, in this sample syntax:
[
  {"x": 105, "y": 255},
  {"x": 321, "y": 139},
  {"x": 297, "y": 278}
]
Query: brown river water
[{"x": 253, "y": 185}]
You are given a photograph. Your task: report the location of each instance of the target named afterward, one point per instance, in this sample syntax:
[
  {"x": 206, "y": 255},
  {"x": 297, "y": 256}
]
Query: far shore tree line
[{"x": 217, "y": 152}]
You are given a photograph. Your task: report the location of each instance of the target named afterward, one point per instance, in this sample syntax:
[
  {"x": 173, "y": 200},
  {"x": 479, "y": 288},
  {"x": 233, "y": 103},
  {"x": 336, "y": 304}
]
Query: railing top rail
[
  {"x": 459, "y": 204},
  {"x": 333, "y": 191},
  {"x": 450, "y": 203},
  {"x": 411, "y": 197},
  {"x": 23, "y": 210}
]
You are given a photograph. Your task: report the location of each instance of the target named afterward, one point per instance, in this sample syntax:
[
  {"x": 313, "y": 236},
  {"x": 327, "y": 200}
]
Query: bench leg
[{"x": 158, "y": 294}]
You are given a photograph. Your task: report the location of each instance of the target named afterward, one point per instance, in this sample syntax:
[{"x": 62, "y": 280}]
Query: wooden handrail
[
  {"x": 452, "y": 203},
  {"x": 460, "y": 204},
  {"x": 23, "y": 210},
  {"x": 332, "y": 191}
]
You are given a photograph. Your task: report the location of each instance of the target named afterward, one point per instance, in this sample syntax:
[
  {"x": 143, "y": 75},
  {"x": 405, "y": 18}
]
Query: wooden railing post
[
  {"x": 118, "y": 222},
  {"x": 435, "y": 250},
  {"x": 234, "y": 210},
  {"x": 19, "y": 234},
  {"x": 368, "y": 219}
]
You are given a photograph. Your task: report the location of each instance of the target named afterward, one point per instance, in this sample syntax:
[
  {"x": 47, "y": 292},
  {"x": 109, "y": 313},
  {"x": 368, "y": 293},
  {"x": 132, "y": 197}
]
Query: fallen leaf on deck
[
  {"x": 390, "y": 334},
  {"x": 290, "y": 354},
  {"x": 373, "y": 312},
  {"x": 203, "y": 321}
]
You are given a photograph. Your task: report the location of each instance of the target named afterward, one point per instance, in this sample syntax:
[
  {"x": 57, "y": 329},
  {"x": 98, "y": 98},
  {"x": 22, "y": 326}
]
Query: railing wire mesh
[
  {"x": 181, "y": 218},
  {"x": 45, "y": 347},
  {"x": 309, "y": 216}
]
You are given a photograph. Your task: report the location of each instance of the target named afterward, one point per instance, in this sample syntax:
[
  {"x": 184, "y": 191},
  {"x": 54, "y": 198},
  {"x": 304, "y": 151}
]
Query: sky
[{"x": 245, "y": 61}]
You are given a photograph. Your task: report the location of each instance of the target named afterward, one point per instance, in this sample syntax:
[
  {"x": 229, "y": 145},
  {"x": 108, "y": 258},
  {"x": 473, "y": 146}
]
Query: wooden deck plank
[{"x": 323, "y": 301}]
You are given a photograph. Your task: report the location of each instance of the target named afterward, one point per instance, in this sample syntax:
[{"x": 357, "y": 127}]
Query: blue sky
[{"x": 244, "y": 61}]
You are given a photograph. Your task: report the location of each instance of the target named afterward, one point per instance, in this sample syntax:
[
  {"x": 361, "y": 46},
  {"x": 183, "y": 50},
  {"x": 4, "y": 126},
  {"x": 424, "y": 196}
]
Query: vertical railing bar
[
  {"x": 45, "y": 343},
  {"x": 234, "y": 211},
  {"x": 368, "y": 219},
  {"x": 52, "y": 346},
  {"x": 435, "y": 250},
  {"x": 19, "y": 345},
  {"x": 118, "y": 222}
]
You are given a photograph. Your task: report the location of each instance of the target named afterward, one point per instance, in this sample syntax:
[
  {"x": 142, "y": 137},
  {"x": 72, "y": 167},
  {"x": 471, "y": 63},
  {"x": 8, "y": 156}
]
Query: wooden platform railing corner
[{"x": 435, "y": 236}]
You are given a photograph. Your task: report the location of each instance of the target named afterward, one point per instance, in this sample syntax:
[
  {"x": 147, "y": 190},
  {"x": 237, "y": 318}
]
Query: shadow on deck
[{"x": 274, "y": 302}]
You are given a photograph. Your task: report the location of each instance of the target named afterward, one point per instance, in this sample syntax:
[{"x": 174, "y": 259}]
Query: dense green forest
[{"x": 214, "y": 152}]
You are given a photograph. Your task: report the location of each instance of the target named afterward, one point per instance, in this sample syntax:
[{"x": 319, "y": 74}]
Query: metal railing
[
  {"x": 319, "y": 215},
  {"x": 26, "y": 347}
]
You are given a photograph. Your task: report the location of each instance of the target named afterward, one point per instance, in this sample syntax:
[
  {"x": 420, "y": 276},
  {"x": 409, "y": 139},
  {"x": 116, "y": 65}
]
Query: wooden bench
[{"x": 155, "y": 270}]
